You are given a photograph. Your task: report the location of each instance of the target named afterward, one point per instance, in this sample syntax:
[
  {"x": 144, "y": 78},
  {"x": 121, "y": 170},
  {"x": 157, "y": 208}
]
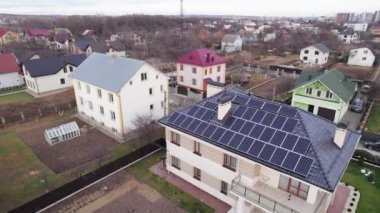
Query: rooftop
[
  {"x": 281, "y": 137},
  {"x": 230, "y": 38},
  {"x": 322, "y": 47},
  {"x": 201, "y": 57},
  {"x": 8, "y": 63}
]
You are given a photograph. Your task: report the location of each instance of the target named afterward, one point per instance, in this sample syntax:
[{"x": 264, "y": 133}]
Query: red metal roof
[
  {"x": 8, "y": 63},
  {"x": 201, "y": 57},
  {"x": 3, "y": 31},
  {"x": 38, "y": 32}
]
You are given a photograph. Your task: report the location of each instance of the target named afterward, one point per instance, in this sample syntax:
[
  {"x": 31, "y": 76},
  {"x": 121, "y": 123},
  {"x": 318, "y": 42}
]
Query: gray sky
[{"x": 197, "y": 7}]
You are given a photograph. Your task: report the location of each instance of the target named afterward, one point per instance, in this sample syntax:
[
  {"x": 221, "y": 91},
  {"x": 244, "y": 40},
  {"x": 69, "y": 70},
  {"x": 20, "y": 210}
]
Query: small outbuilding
[{"x": 62, "y": 133}]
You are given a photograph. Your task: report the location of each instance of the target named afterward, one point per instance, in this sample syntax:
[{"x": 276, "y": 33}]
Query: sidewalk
[{"x": 218, "y": 205}]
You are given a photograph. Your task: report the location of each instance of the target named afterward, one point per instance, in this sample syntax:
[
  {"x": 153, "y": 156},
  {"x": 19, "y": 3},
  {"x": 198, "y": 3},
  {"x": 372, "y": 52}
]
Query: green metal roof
[{"x": 335, "y": 80}]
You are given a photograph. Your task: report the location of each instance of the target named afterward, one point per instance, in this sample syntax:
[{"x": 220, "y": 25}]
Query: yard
[
  {"x": 373, "y": 123},
  {"x": 15, "y": 98},
  {"x": 173, "y": 193},
  {"x": 23, "y": 177},
  {"x": 369, "y": 193}
]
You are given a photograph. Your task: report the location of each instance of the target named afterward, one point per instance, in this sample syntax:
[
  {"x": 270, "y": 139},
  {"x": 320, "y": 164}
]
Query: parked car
[
  {"x": 372, "y": 145},
  {"x": 358, "y": 105},
  {"x": 366, "y": 89}
]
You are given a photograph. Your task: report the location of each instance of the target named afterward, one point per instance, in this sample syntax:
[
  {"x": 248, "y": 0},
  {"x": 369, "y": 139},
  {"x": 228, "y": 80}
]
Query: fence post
[
  {"x": 3, "y": 120},
  {"x": 22, "y": 116},
  {"x": 40, "y": 111}
]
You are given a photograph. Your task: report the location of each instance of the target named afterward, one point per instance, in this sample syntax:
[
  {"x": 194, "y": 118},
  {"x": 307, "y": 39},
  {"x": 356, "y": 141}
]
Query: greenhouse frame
[{"x": 62, "y": 133}]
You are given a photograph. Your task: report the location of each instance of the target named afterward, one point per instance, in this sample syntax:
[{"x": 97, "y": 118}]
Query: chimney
[
  {"x": 340, "y": 134},
  {"x": 212, "y": 58},
  {"x": 224, "y": 107},
  {"x": 208, "y": 57}
]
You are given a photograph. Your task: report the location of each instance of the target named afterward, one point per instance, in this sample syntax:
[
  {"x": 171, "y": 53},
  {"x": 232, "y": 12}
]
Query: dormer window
[{"x": 309, "y": 91}]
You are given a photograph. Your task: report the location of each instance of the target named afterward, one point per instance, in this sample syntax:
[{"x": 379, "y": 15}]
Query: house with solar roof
[
  {"x": 196, "y": 67},
  {"x": 257, "y": 154},
  {"x": 327, "y": 94}
]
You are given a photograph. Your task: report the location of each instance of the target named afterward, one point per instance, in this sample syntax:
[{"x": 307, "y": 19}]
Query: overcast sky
[{"x": 191, "y": 7}]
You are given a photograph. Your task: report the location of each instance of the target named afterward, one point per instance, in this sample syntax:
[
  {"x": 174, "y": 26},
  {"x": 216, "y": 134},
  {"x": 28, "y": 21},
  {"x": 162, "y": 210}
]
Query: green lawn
[
  {"x": 21, "y": 173},
  {"x": 369, "y": 193},
  {"x": 17, "y": 97},
  {"x": 141, "y": 171},
  {"x": 11, "y": 90},
  {"x": 373, "y": 123}
]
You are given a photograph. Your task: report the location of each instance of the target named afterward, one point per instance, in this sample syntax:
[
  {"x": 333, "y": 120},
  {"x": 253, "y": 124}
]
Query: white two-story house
[
  {"x": 361, "y": 57},
  {"x": 349, "y": 36},
  {"x": 112, "y": 91},
  {"x": 254, "y": 154},
  {"x": 49, "y": 74},
  {"x": 196, "y": 67},
  {"x": 316, "y": 54},
  {"x": 232, "y": 43}
]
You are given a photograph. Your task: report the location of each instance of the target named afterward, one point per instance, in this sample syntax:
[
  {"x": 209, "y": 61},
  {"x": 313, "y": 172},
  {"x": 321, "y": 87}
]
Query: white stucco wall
[
  {"x": 312, "y": 57},
  {"x": 361, "y": 57},
  {"x": 11, "y": 79},
  {"x": 349, "y": 39},
  {"x": 359, "y": 27},
  {"x": 233, "y": 46}
]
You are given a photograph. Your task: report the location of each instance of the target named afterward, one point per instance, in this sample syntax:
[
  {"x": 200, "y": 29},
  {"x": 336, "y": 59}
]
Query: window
[
  {"x": 175, "y": 138},
  {"x": 305, "y": 58},
  {"x": 197, "y": 148},
  {"x": 218, "y": 79},
  {"x": 110, "y": 97},
  {"x": 210, "y": 70},
  {"x": 144, "y": 76},
  {"x": 181, "y": 67},
  {"x": 329, "y": 94},
  {"x": 205, "y": 71},
  {"x": 229, "y": 162},
  {"x": 162, "y": 88},
  {"x": 90, "y": 106},
  {"x": 364, "y": 58},
  {"x": 114, "y": 130},
  {"x": 130, "y": 82},
  {"x": 65, "y": 69},
  {"x": 194, "y": 70},
  {"x": 309, "y": 91},
  {"x": 99, "y": 93},
  {"x": 62, "y": 81},
  {"x": 156, "y": 76},
  {"x": 194, "y": 82},
  {"x": 81, "y": 101},
  {"x": 150, "y": 91},
  {"x": 218, "y": 69},
  {"x": 71, "y": 68},
  {"x": 316, "y": 53},
  {"x": 113, "y": 116},
  {"x": 79, "y": 86},
  {"x": 224, "y": 187},
  {"x": 365, "y": 51},
  {"x": 181, "y": 78},
  {"x": 318, "y": 93},
  {"x": 176, "y": 163},
  {"x": 293, "y": 186},
  {"x": 162, "y": 104},
  {"x": 306, "y": 51},
  {"x": 197, "y": 173},
  {"x": 101, "y": 110},
  {"x": 88, "y": 88}
]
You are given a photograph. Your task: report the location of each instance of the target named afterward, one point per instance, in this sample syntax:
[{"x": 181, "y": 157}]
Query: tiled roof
[
  {"x": 51, "y": 65},
  {"x": 328, "y": 161},
  {"x": 322, "y": 47},
  {"x": 107, "y": 72},
  {"x": 8, "y": 63},
  {"x": 3, "y": 31},
  {"x": 84, "y": 43},
  {"x": 38, "y": 32},
  {"x": 230, "y": 38},
  {"x": 202, "y": 57},
  {"x": 335, "y": 80}
]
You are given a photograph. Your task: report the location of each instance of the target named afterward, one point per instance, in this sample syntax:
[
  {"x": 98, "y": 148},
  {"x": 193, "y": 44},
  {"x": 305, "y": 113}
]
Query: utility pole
[{"x": 182, "y": 27}]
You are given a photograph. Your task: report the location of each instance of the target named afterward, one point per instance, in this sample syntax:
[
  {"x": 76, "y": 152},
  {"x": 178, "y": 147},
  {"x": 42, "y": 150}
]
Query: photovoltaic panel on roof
[
  {"x": 268, "y": 119},
  {"x": 225, "y": 139},
  {"x": 249, "y": 113},
  {"x": 256, "y": 148},
  {"x": 218, "y": 134},
  {"x": 257, "y": 131},
  {"x": 193, "y": 126},
  {"x": 193, "y": 110},
  {"x": 279, "y": 156},
  {"x": 287, "y": 111},
  {"x": 240, "y": 100},
  {"x": 271, "y": 107},
  {"x": 304, "y": 165},
  {"x": 289, "y": 125},
  {"x": 267, "y": 152},
  {"x": 201, "y": 128},
  {"x": 210, "y": 105},
  {"x": 200, "y": 112},
  {"x": 240, "y": 111},
  {"x": 236, "y": 140},
  {"x": 291, "y": 160},
  {"x": 255, "y": 103},
  {"x": 278, "y": 122},
  {"x": 246, "y": 129},
  {"x": 267, "y": 134},
  {"x": 246, "y": 144}
]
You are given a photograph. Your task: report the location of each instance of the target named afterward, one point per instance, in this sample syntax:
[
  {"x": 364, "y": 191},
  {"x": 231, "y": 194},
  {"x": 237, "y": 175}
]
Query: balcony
[{"x": 276, "y": 200}]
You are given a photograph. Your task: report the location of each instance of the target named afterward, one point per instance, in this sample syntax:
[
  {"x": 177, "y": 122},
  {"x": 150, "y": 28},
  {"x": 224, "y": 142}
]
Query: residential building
[
  {"x": 197, "y": 66},
  {"x": 82, "y": 46},
  {"x": 363, "y": 56},
  {"x": 232, "y": 43},
  {"x": 50, "y": 74},
  {"x": 131, "y": 37},
  {"x": 10, "y": 75},
  {"x": 316, "y": 54},
  {"x": 257, "y": 155},
  {"x": 7, "y": 36},
  {"x": 108, "y": 47},
  {"x": 269, "y": 37},
  {"x": 61, "y": 41},
  {"x": 357, "y": 27},
  {"x": 376, "y": 16},
  {"x": 341, "y": 18},
  {"x": 111, "y": 92},
  {"x": 41, "y": 36},
  {"x": 375, "y": 30},
  {"x": 325, "y": 94},
  {"x": 349, "y": 36}
]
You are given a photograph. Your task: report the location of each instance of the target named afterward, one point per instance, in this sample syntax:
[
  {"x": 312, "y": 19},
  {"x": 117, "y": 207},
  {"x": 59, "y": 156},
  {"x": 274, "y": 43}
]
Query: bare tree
[{"x": 145, "y": 127}]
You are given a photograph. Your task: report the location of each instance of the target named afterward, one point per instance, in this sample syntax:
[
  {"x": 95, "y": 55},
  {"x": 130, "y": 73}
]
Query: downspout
[{"x": 121, "y": 115}]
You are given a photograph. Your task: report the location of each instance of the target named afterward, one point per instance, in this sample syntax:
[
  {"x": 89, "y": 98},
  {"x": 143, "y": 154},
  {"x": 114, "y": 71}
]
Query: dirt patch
[
  {"x": 356, "y": 72},
  {"x": 75, "y": 155},
  {"x": 280, "y": 85}
]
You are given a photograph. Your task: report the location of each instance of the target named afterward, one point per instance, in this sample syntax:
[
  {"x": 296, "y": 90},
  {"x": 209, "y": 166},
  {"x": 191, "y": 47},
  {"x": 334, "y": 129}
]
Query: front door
[
  {"x": 316, "y": 61},
  {"x": 310, "y": 108}
]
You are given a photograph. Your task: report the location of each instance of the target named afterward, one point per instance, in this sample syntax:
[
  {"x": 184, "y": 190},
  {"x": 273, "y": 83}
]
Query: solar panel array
[{"x": 257, "y": 128}]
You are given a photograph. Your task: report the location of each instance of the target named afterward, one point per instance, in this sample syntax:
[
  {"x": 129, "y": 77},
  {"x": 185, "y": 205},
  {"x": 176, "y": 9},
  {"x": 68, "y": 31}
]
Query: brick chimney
[
  {"x": 340, "y": 134},
  {"x": 224, "y": 107}
]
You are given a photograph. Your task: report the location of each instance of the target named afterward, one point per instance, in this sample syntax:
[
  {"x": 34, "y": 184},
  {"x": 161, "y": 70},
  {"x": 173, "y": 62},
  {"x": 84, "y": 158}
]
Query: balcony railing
[{"x": 259, "y": 199}]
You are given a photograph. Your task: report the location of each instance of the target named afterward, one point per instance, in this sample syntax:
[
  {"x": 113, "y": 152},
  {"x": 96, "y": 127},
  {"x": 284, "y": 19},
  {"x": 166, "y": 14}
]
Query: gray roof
[
  {"x": 322, "y": 47},
  {"x": 107, "y": 72},
  {"x": 328, "y": 160},
  {"x": 230, "y": 38}
]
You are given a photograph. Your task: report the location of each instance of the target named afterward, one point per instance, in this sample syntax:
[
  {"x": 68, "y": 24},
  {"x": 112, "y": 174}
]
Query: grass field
[
  {"x": 173, "y": 193},
  {"x": 14, "y": 98},
  {"x": 369, "y": 193},
  {"x": 23, "y": 177},
  {"x": 11, "y": 90},
  {"x": 373, "y": 123}
]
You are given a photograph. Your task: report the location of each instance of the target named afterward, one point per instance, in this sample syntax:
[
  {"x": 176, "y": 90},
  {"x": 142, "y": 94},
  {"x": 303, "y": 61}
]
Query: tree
[{"x": 144, "y": 128}]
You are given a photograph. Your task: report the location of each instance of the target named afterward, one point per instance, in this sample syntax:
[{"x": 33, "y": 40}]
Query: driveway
[{"x": 353, "y": 119}]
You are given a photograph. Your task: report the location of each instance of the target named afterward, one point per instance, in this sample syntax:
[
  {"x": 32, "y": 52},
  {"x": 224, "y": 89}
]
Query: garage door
[{"x": 326, "y": 113}]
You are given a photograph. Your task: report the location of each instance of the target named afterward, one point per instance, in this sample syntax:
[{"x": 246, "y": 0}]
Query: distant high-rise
[
  {"x": 365, "y": 17},
  {"x": 341, "y": 18},
  {"x": 376, "y": 16}
]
